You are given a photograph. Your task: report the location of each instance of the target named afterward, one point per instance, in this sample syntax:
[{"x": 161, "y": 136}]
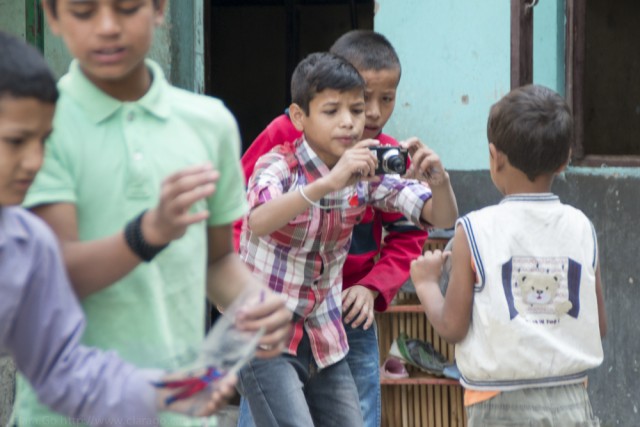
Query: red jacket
[{"x": 402, "y": 244}]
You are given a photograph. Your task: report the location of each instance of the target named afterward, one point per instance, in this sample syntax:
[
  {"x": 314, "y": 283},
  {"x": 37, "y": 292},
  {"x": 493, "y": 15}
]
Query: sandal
[
  {"x": 418, "y": 353},
  {"x": 394, "y": 369}
]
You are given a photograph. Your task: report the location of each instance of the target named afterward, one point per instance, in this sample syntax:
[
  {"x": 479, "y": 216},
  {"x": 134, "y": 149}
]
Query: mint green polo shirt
[{"x": 109, "y": 159}]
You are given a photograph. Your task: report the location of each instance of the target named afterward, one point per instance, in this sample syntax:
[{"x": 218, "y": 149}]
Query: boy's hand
[
  {"x": 170, "y": 219},
  {"x": 202, "y": 404},
  {"x": 271, "y": 314},
  {"x": 357, "y": 306},
  {"x": 425, "y": 163},
  {"x": 357, "y": 163},
  {"x": 427, "y": 268}
]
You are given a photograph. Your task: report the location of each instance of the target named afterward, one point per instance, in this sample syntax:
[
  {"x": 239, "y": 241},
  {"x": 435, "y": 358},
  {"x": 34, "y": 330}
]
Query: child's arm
[
  {"x": 441, "y": 210},
  {"x": 402, "y": 244},
  {"x": 602, "y": 313},
  {"x": 280, "y": 131},
  {"x": 228, "y": 277},
  {"x": 42, "y": 324},
  {"x": 450, "y": 315},
  {"x": 357, "y": 163},
  {"x": 96, "y": 264}
]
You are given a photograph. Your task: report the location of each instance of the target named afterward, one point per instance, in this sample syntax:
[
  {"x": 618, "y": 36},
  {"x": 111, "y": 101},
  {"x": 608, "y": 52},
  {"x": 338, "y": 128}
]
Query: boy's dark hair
[
  {"x": 24, "y": 72},
  {"x": 53, "y": 5},
  {"x": 366, "y": 50},
  {"x": 533, "y": 126},
  {"x": 320, "y": 71}
]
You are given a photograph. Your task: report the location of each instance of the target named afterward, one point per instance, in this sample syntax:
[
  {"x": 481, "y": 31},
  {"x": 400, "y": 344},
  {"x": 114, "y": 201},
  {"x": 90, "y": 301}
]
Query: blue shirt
[{"x": 41, "y": 323}]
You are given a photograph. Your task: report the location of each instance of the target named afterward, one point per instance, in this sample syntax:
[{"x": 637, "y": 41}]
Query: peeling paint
[{"x": 607, "y": 172}]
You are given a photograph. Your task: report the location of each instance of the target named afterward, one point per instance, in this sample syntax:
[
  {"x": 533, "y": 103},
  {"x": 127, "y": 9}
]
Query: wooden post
[
  {"x": 521, "y": 42},
  {"x": 574, "y": 70}
]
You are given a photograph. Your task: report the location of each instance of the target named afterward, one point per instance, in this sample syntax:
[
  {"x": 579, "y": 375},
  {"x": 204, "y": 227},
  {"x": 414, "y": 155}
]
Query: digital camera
[{"x": 390, "y": 160}]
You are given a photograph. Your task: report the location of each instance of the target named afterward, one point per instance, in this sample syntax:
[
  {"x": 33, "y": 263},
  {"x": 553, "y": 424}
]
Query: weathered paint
[
  {"x": 187, "y": 45},
  {"x": 455, "y": 64},
  {"x": 12, "y": 17},
  {"x": 455, "y": 60}
]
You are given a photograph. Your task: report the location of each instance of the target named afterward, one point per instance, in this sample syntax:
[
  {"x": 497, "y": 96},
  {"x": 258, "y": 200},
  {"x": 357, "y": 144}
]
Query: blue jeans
[
  {"x": 291, "y": 391},
  {"x": 364, "y": 362}
]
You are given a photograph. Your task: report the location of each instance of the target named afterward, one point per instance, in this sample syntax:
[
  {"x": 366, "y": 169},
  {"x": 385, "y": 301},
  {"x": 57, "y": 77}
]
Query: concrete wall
[{"x": 455, "y": 59}]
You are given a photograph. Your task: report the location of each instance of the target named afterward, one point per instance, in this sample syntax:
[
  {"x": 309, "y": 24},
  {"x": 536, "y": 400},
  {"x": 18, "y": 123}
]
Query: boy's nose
[
  {"x": 347, "y": 120},
  {"x": 373, "y": 110},
  {"x": 108, "y": 23},
  {"x": 33, "y": 157}
]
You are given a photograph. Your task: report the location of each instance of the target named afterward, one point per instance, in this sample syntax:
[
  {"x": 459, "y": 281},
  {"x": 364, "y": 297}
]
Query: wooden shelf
[
  {"x": 404, "y": 308},
  {"x": 420, "y": 380},
  {"x": 422, "y": 399}
]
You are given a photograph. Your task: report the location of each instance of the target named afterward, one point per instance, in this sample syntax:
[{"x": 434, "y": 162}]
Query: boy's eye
[
  {"x": 82, "y": 12},
  {"x": 387, "y": 99},
  {"x": 129, "y": 7},
  {"x": 330, "y": 112},
  {"x": 128, "y": 10},
  {"x": 14, "y": 141},
  {"x": 357, "y": 111}
]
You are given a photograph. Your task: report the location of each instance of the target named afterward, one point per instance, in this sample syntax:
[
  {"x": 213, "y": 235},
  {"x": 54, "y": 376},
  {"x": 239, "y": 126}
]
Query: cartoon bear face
[{"x": 537, "y": 288}]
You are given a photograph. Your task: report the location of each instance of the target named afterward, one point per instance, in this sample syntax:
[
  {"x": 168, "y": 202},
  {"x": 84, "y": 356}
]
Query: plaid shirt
[{"x": 303, "y": 260}]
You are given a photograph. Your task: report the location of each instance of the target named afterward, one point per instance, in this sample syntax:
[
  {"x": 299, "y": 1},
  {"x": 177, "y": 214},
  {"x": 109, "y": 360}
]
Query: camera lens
[{"x": 395, "y": 164}]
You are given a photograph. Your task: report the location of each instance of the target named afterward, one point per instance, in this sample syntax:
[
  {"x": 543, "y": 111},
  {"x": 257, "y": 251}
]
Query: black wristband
[{"x": 134, "y": 238}]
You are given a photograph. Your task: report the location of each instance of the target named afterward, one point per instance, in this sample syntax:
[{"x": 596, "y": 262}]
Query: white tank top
[{"x": 535, "y": 314}]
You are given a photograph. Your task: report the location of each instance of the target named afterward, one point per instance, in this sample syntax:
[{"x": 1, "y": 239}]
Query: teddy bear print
[{"x": 538, "y": 290}]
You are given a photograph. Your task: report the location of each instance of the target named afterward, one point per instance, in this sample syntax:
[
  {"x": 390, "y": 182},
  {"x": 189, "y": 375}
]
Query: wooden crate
[{"x": 421, "y": 400}]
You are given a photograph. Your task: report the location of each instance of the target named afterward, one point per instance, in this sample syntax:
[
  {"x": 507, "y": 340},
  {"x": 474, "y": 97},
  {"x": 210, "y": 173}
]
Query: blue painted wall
[{"x": 455, "y": 57}]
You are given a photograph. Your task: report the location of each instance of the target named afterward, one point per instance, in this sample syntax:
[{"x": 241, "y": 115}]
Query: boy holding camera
[
  {"x": 383, "y": 244},
  {"x": 305, "y": 199}
]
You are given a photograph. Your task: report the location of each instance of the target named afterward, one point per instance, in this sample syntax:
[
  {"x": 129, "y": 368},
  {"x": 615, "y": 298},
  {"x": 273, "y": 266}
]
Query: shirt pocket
[
  {"x": 299, "y": 231},
  {"x": 348, "y": 219}
]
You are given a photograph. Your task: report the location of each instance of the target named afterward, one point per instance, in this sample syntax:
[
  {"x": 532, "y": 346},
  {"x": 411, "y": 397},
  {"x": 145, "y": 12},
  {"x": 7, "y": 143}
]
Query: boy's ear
[
  {"x": 565, "y": 164},
  {"x": 497, "y": 157},
  {"x": 51, "y": 18},
  {"x": 297, "y": 115}
]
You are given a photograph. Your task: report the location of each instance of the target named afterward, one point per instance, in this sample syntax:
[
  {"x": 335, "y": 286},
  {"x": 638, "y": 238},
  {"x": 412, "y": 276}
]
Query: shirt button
[
  {"x": 130, "y": 116},
  {"x": 137, "y": 156}
]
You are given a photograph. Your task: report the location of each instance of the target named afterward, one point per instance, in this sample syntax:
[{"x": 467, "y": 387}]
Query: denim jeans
[
  {"x": 364, "y": 362},
  {"x": 291, "y": 391}
]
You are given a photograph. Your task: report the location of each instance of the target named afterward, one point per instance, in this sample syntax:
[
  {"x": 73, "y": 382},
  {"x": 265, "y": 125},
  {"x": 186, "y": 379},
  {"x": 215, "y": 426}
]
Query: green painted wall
[
  {"x": 12, "y": 17},
  {"x": 178, "y": 44}
]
